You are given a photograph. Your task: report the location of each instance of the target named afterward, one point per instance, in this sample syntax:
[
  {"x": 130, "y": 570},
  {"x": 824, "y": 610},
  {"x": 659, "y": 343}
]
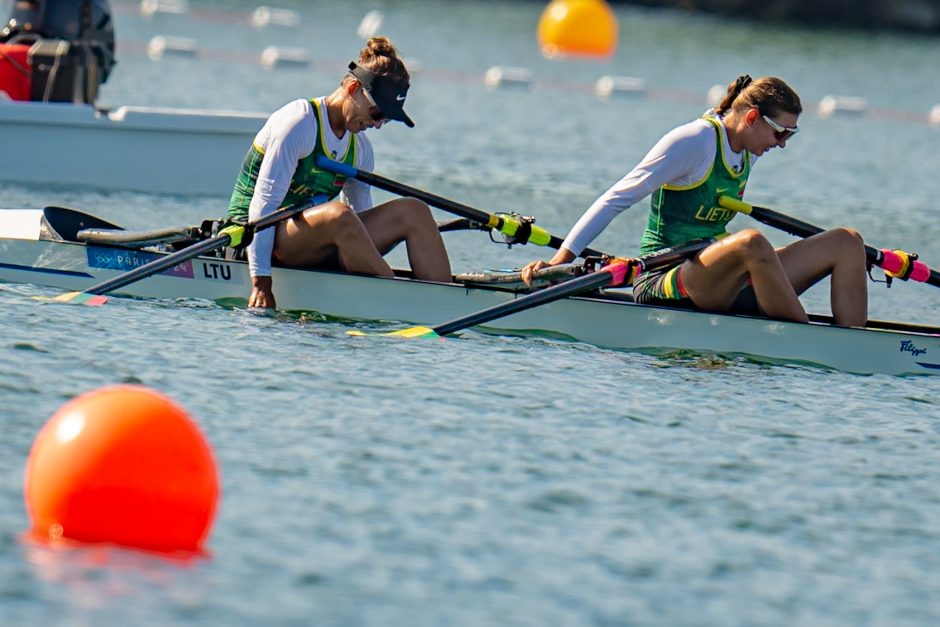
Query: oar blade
[
  {"x": 77, "y": 298},
  {"x": 416, "y": 333},
  {"x": 83, "y": 298},
  {"x": 410, "y": 333}
]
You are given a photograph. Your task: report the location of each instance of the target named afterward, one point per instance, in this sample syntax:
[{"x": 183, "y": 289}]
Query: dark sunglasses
[{"x": 374, "y": 111}]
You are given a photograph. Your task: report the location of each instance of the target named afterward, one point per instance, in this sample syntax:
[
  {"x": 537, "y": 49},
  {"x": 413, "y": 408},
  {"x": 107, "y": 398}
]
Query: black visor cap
[{"x": 389, "y": 95}]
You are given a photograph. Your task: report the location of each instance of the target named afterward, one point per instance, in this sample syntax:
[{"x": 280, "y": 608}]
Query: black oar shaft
[
  {"x": 222, "y": 239},
  {"x": 389, "y": 185},
  {"x": 574, "y": 286},
  {"x": 376, "y": 180},
  {"x": 616, "y": 273},
  {"x": 784, "y": 222}
]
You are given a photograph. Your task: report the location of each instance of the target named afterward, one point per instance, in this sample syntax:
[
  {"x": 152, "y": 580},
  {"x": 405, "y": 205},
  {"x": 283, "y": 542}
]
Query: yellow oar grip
[
  {"x": 540, "y": 236},
  {"x": 235, "y": 233},
  {"x": 735, "y": 205},
  {"x": 537, "y": 235},
  {"x": 509, "y": 227}
]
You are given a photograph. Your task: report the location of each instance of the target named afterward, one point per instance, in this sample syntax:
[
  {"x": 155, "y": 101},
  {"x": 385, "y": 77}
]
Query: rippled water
[{"x": 500, "y": 480}]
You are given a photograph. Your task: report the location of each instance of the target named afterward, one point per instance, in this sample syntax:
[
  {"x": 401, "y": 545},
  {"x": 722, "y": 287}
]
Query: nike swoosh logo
[{"x": 400, "y": 98}]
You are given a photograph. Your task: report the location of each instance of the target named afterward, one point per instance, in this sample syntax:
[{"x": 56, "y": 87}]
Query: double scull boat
[{"x": 43, "y": 247}]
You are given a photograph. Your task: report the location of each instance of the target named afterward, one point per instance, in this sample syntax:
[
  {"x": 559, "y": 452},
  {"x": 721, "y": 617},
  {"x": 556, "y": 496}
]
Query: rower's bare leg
[
  {"x": 326, "y": 230},
  {"x": 714, "y": 278},
  {"x": 841, "y": 254},
  {"x": 410, "y": 220}
]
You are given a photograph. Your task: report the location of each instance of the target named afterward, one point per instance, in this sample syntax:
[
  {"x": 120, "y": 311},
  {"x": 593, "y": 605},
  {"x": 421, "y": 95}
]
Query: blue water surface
[{"x": 509, "y": 480}]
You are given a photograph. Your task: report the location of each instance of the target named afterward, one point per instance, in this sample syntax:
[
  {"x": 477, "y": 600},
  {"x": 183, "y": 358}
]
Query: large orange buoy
[
  {"x": 586, "y": 28},
  {"x": 123, "y": 465}
]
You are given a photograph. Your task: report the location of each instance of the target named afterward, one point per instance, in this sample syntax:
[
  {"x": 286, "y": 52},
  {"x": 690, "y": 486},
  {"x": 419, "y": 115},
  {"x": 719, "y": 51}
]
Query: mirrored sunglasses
[{"x": 781, "y": 132}]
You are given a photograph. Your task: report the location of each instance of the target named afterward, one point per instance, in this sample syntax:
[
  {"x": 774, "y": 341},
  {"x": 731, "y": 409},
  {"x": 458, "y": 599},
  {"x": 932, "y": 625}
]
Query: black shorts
[{"x": 664, "y": 288}]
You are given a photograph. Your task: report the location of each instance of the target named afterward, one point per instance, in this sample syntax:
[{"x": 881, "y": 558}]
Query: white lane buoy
[
  {"x": 934, "y": 116},
  {"x": 162, "y": 46},
  {"x": 263, "y": 17},
  {"x": 370, "y": 24},
  {"x": 607, "y": 86},
  {"x": 414, "y": 66},
  {"x": 851, "y": 105},
  {"x": 274, "y": 56},
  {"x": 149, "y": 8},
  {"x": 715, "y": 94},
  {"x": 505, "y": 76}
]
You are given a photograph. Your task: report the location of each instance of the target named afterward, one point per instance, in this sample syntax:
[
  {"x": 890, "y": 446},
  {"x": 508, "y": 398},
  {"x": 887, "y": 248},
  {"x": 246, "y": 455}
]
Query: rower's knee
[
  {"x": 847, "y": 238},
  {"x": 336, "y": 212},
  {"x": 753, "y": 246},
  {"x": 338, "y": 217},
  {"x": 415, "y": 214}
]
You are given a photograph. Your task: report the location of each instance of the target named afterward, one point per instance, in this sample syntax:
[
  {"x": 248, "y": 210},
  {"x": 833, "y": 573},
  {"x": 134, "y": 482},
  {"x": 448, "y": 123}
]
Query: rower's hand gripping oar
[
  {"x": 617, "y": 273},
  {"x": 516, "y": 230},
  {"x": 896, "y": 263},
  {"x": 233, "y": 235}
]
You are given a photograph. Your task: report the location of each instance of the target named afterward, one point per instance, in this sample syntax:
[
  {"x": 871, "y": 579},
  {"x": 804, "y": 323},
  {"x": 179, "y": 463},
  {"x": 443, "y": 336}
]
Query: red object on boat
[{"x": 15, "y": 71}]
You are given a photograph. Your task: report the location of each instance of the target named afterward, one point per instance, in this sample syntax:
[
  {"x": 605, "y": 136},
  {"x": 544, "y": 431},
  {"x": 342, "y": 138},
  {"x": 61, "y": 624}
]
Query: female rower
[
  {"x": 345, "y": 231},
  {"x": 686, "y": 172}
]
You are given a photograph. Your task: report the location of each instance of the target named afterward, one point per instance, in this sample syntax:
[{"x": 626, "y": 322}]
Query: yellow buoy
[{"x": 585, "y": 28}]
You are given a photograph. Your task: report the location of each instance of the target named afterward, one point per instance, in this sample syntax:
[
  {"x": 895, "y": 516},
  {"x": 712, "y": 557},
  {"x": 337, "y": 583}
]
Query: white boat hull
[
  {"x": 611, "y": 321},
  {"x": 146, "y": 149}
]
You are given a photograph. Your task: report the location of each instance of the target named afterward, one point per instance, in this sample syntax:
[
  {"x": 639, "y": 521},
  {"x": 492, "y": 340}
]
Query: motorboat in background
[
  {"x": 147, "y": 149},
  {"x": 54, "y": 56}
]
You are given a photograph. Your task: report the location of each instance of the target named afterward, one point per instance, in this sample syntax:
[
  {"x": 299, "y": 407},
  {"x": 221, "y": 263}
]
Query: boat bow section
[
  {"x": 53, "y": 224},
  {"x": 21, "y": 224}
]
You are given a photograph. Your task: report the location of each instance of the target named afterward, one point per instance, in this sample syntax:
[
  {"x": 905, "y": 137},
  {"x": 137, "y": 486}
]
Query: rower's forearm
[{"x": 562, "y": 256}]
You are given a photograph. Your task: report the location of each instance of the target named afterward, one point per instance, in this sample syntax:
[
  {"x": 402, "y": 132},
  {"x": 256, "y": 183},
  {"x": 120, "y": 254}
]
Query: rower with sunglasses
[
  {"x": 344, "y": 231},
  {"x": 685, "y": 173}
]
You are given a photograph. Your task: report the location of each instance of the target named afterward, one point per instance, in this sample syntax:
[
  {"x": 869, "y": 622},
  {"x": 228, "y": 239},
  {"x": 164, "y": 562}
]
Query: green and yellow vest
[
  {"x": 307, "y": 181},
  {"x": 681, "y": 214}
]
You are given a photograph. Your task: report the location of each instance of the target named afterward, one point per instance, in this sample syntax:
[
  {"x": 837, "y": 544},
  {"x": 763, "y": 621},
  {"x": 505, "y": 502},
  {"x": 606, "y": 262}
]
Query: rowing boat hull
[{"x": 611, "y": 322}]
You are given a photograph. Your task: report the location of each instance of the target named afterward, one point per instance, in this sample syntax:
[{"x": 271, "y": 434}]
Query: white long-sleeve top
[
  {"x": 288, "y": 136},
  {"x": 682, "y": 157}
]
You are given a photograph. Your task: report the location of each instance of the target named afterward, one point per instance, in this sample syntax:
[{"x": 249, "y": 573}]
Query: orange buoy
[
  {"x": 123, "y": 465},
  {"x": 586, "y": 28}
]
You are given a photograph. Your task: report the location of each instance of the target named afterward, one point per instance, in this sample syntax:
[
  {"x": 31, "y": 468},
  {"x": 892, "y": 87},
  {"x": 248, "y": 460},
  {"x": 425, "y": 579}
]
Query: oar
[
  {"x": 896, "y": 263},
  {"x": 616, "y": 273},
  {"x": 521, "y": 231},
  {"x": 229, "y": 236}
]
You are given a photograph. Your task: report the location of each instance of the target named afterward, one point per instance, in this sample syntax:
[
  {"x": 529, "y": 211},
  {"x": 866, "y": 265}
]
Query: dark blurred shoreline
[{"x": 922, "y": 16}]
